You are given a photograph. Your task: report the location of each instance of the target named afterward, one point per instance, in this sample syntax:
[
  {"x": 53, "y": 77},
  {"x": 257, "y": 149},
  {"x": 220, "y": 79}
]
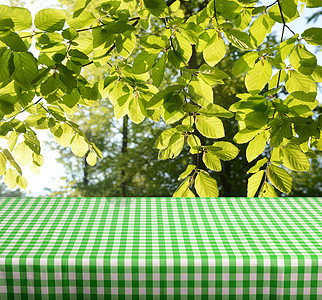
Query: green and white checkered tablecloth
[{"x": 160, "y": 248}]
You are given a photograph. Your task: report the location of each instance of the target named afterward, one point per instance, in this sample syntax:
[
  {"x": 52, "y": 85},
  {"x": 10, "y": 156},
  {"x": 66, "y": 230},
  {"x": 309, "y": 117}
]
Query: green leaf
[
  {"x": 182, "y": 189},
  {"x": 153, "y": 43},
  {"x": 239, "y": 39},
  {"x": 245, "y": 135},
  {"x": 256, "y": 146},
  {"x": 211, "y": 75},
  {"x": 189, "y": 108},
  {"x": 258, "y": 165},
  {"x": 279, "y": 77},
  {"x": 144, "y": 62},
  {"x": 135, "y": 113},
  {"x": 80, "y": 6},
  {"x": 184, "y": 48},
  {"x": 317, "y": 74},
  {"x": 187, "y": 171},
  {"x": 157, "y": 8},
  {"x": 12, "y": 160},
  {"x": 255, "y": 120},
  {"x": 78, "y": 145},
  {"x": 22, "y": 18},
  {"x": 189, "y": 194},
  {"x": 302, "y": 60},
  {"x": 205, "y": 185},
  {"x": 3, "y": 164},
  {"x": 215, "y": 50},
  {"x": 211, "y": 127},
  {"x": 71, "y": 99},
  {"x": 289, "y": 9},
  {"x": 280, "y": 178},
  {"x": 91, "y": 159},
  {"x": 158, "y": 99},
  {"x": 285, "y": 48},
  {"x": 14, "y": 41},
  {"x": 26, "y": 68},
  {"x": 163, "y": 139},
  {"x": 313, "y": 35},
  {"x": 254, "y": 182},
  {"x": 5, "y": 12},
  {"x": 50, "y": 19},
  {"x": 13, "y": 136},
  {"x": 191, "y": 31},
  {"x": 5, "y": 55},
  {"x": 257, "y": 77},
  {"x": 22, "y": 154},
  {"x": 229, "y": 9},
  {"x": 125, "y": 43},
  {"x": 84, "y": 20},
  {"x": 172, "y": 106},
  {"x": 10, "y": 178},
  {"x": 68, "y": 78},
  {"x": 259, "y": 29},
  {"x": 295, "y": 159},
  {"x": 300, "y": 86},
  {"x": 243, "y": 19},
  {"x": 215, "y": 110},
  {"x": 200, "y": 91},
  {"x": 193, "y": 141},
  {"x": 245, "y": 63},
  {"x": 63, "y": 135},
  {"x": 211, "y": 161},
  {"x": 224, "y": 150},
  {"x": 70, "y": 34},
  {"x": 158, "y": 70},
  {"x": 313, "y": 3},
  {"x": 49, "y": 86},
  {"x": 118, "y": 27},
  {"x": 268, "y": 191},
  {"x": 175, "y": 147},
  {"x": 22, "y": 182},
  {"x": 37, "y": 159}
]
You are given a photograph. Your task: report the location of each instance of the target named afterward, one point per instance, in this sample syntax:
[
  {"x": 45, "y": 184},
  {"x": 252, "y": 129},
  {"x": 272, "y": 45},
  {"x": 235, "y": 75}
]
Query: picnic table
[{"x": 160, "y": 248}]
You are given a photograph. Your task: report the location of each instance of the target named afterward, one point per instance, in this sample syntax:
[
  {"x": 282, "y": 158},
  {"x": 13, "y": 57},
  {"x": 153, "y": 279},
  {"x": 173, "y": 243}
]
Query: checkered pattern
[{"x": 161, "y": 248}]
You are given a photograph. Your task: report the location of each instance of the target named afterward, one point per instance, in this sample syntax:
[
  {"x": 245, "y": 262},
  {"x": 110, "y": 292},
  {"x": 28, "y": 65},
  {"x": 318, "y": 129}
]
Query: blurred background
[{"x": 130, "y": 166}]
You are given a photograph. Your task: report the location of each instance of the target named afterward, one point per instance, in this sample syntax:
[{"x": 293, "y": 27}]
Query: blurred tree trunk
[{"x": 125, "y": 132}]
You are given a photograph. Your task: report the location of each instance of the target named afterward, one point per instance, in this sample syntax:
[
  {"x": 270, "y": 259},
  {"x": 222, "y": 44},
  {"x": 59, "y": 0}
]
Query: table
[{"x": 160, "y": 248}]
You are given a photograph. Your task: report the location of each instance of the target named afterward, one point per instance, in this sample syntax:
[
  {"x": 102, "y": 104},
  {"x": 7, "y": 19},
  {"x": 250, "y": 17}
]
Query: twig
[
  {"x": 265, "y": 180},
  {"x": 90, "y": 28},
  {"x": 268, "y": 6},
  {"x": 282, "y": 36},
  {"x": 170, "y": 2},
  {"x": 289, "y": 29},
  {"x": 102, "y": 25},
  {"x": 215, "y": 13},
  {"x": 137, "y": 19},
  {"x": 23, "y": 110},
  {"x": 32, "y": 35},
  {"x": 279, "y": 73}
]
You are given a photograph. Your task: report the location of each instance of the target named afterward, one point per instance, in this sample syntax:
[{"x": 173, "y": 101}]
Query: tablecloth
[{"x": 160, "y": 248}]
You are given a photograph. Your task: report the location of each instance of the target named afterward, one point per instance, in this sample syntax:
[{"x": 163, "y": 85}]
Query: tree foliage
[{"x": 275, "y": 116}]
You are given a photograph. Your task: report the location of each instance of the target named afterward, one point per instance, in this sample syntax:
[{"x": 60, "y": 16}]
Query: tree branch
[
  {"x": 23, "y": 110},
  {"x": 170, "y": 2},
  {"x": 268, "y": 6},
  {"x": 137, "y": 19},
  {"x": 215, "y": 12},
  {"x": 282, "y": 36}
]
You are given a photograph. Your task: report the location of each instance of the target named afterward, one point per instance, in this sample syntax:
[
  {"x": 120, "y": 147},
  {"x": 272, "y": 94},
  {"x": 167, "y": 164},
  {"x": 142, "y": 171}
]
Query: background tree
[
  {"x": 135, "y": 170},
  {"x": 5, "y": 192},
  {"x": 274, "y": 113}
]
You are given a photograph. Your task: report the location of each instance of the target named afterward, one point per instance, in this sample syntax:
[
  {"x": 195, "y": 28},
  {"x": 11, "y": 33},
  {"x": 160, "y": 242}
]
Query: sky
[{"x": 51, "y": 171}]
